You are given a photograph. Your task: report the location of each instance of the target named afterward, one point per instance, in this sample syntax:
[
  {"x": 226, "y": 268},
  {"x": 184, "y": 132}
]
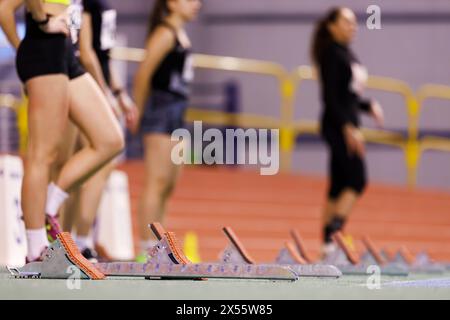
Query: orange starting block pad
[
  {"x": 165, "y": 261},
  {"x": 351, "y": 263},
  {"x": 288, "y": 257}
]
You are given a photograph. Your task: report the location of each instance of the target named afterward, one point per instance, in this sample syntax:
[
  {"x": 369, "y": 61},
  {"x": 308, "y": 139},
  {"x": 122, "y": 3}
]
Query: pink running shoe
[{"x": 40, "y": 259}]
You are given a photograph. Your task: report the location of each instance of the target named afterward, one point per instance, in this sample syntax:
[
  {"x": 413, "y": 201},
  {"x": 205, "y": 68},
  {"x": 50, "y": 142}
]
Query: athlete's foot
[
  {"x": 328, "y": 249},
  {"x": 38, "y": 259},
  {"x": 52, "y": 227}
]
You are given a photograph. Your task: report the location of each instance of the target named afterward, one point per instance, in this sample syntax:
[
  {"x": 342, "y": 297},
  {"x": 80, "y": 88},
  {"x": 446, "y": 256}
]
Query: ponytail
[{"x": 322, "y": 37}]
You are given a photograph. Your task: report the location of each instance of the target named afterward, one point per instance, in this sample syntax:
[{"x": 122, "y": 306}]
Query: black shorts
[
  {"x": 346, "y": 171},
  {"x": 164, "y": 113},
  {"x": 43, "y": 54}
]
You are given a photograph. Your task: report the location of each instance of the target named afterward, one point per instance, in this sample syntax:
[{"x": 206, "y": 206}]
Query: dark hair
[
  {"x": 159, "y": 12},
  {"x": 322, "y": 37}
]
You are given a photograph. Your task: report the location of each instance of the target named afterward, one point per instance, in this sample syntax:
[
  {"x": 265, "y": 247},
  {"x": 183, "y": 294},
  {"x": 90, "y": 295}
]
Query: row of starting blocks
[
  {"x": 345, "y": 258},
  {"x": 168, "y": 261},
  {"x": 351, "y": 263}
]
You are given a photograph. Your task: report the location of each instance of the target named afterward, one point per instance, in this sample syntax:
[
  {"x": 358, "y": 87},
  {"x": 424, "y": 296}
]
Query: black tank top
[{"x": 175, "y": 72}]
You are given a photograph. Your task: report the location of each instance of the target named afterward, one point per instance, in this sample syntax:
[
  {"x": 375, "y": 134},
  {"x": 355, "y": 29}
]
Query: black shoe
[{"x": 90, "y": 255}]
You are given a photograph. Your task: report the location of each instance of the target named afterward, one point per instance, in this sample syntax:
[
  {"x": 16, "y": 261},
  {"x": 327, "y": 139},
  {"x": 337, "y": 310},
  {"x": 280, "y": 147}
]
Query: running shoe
[{"x": 39, "y": 259}]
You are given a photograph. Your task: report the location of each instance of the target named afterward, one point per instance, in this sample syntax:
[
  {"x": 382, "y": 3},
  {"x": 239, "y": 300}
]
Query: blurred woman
[
  {"x": 342, "y": 79},
  {"x": 58, "y": 89},
  {"x": 161, "y": 92}
]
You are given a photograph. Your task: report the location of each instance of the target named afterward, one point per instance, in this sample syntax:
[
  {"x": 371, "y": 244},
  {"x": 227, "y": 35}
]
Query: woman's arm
[
  {"x": 116, "y": 84},
  {"x": 124, "y": 100},
  {"x": 8, "y": 20},
  {"x": 158, "y": 46},
  {"x": 88, "y": 56}
]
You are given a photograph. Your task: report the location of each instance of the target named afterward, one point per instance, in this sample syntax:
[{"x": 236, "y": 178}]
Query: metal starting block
[
  {"x": 350, "y": 263},
  {"x": 166, "y": 261},
  {"x": 58, "y": 263},
  {"x": 373, "y": 256},
  {"x": 368, "y": 259},
  {"x": 236, "y": 253},
  {"x": 422, "y": 263}
]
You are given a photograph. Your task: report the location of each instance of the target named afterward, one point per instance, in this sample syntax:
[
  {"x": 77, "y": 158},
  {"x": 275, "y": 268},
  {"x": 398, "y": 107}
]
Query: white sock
[
  {"x": 37, "y": 241},
  {"x": 55, "y": 198},
  {"x": 147, "y": 245},
  {"x": 84, "y": 242}
]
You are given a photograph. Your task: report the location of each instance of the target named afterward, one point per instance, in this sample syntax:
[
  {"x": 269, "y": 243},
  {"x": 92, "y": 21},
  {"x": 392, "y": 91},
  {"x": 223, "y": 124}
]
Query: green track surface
[{"x": 347, "y": 287}]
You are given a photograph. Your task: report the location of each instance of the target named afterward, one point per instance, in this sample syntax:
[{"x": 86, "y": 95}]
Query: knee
[
  {"x": 42, "y": 156},
  {"x": 114, "y": 144}
]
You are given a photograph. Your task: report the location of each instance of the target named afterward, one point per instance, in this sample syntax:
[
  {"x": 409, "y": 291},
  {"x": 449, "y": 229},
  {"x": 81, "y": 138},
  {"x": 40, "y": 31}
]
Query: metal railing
[
  {"x": 431, "y": 142},
  {"x": 291, "y": 128}
]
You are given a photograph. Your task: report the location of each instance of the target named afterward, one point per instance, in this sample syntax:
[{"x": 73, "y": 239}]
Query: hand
[
  {"x": 134, "y": 127},
  {"x": 56, "y": 25},
  {"x": 354, "y": 141},
  {"x": 377, "y": 114},
  {"x": 129, "y": 108}
]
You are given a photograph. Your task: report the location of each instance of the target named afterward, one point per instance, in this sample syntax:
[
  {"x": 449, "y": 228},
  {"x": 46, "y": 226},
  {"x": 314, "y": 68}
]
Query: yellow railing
[
  {"x": 290, "y": 128},
  {"x": 432, "y": 91},
  {"x": 263, "y": 68}
]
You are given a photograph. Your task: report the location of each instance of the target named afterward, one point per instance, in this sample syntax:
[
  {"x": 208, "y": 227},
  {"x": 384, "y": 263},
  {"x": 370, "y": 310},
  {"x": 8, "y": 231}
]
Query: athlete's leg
[{"x": 47, "y": 118}]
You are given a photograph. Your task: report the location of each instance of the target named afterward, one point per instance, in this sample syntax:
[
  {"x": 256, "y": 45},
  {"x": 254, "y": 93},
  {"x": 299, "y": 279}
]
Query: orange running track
[{"x": 262, "y": 210}]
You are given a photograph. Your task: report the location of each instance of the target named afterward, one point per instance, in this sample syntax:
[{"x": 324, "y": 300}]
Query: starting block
[
  {"x": 166, "y": 261},
  {"x": 374, "y": 256},
  {"x": 350, "y": 263},
  {"x": 242, "y": 270},
  {"x": 288, "y": 257},
  {"x": 59, "y": 262},
  {"x": 422, "y": 263}
]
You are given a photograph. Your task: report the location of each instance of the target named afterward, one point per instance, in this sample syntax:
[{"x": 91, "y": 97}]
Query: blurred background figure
[
  {"x": 342, "y": 79},
  {"x": 161, "y": 91}
]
